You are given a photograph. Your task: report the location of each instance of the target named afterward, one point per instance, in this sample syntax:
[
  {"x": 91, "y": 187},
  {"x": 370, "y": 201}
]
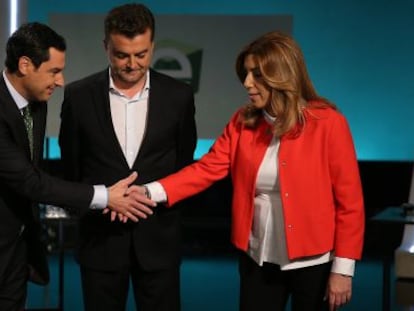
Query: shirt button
[
  {"x": 286, "y": 194},
  {"x": 290, "y": 226},
  {"x": 283, "y": 163}
]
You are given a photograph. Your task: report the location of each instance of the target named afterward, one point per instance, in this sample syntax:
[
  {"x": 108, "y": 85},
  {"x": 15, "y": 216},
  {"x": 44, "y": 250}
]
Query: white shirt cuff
[
  {"x": 100, "y": 197},
  {"x": 344, "y": 266},
  {"x": 157, "y": 192}
]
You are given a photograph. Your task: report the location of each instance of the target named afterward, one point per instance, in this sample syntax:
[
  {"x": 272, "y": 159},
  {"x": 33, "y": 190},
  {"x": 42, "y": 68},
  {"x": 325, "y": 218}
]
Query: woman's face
[{"x": 259, "y": 92}]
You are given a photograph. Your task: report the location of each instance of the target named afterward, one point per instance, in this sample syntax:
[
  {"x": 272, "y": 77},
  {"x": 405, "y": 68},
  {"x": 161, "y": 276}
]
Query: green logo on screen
[{"x": 179, "y": 61}]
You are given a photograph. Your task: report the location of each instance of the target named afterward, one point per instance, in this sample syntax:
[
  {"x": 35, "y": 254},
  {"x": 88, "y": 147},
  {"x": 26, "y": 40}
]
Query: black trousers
[
  {"x": 269, "y": 288},
  {"x": 13, "y": 281},
  {"x": 157, "y": 290}
]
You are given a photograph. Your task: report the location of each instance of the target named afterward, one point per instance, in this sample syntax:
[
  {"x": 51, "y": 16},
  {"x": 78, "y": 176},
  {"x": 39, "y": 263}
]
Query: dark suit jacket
[
  {"x": 22, "y": 182},
  {"x": 91, "y": 153}
]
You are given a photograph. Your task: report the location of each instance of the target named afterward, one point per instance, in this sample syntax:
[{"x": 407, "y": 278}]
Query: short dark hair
[
  {"x": 129, "y": 20},
  {"x": 34, "y": 41}
]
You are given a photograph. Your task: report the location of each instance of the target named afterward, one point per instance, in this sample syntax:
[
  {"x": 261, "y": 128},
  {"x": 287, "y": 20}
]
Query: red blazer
[{"x": 319, "y": 183}]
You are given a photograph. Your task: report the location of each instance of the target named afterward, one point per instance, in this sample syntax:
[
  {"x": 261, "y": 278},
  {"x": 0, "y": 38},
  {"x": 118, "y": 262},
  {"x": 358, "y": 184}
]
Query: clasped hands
[{"x": 128, "y": 202}]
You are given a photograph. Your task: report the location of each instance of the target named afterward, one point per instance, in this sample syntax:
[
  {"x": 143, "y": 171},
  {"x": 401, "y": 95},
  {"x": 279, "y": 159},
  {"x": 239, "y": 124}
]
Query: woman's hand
[{"x": 339, "y": 290}]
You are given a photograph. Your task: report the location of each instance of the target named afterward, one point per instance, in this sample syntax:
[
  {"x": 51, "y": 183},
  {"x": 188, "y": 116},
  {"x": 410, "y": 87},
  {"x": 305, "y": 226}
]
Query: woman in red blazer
[{"x": 297, "y": 211}]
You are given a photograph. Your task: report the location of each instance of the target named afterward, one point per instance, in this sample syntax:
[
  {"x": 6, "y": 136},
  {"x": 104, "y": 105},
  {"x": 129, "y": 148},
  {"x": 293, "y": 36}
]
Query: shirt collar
[
  {"x": 269, "y": 119},
  {"x": 20, "y": 101}
]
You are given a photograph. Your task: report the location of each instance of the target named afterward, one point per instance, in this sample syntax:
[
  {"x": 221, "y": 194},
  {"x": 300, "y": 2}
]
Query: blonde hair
[{"x": 283, "y": 70}]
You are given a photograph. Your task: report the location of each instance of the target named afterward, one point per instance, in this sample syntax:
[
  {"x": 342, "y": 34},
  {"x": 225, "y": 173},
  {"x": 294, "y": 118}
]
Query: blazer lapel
[
  {"x": 155, "y": 99},
  {"x": 155, "y": 103},
  {"x": 100, "y": 98},
  {"x": 262, "y": 137},
  {"x": 13, "y": 117},
  {"x": 39, "y": 112}
]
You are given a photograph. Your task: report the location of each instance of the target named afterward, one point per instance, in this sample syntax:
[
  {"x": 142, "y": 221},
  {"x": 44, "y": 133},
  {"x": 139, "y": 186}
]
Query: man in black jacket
[
  {"x": 128, "y": 117},
  {"x": 34, "y": 65}
]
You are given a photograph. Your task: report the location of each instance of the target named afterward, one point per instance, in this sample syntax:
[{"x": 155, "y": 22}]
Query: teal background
[{"x": 359, "y": 55}]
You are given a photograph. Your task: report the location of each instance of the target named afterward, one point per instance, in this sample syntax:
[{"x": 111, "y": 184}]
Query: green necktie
[{"x": 28, "y": 122}]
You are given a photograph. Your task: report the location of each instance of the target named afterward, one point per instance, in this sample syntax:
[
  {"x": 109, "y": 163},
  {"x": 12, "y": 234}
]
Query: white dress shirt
[{"x": 129, "y": 118}]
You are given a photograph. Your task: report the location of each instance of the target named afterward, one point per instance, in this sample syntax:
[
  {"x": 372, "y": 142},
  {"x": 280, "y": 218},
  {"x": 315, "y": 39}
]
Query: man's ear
[{"x": 25, "y": 64}]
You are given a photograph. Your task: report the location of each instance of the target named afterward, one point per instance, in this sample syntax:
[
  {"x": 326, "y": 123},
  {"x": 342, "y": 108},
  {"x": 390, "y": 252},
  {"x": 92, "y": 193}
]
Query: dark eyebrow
[
  {"x": 123, "y": 53},
  {"x": 55, "y": 69}
]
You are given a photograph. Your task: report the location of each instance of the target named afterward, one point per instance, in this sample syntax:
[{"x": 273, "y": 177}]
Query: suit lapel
[
  {"x": 13, "y": 118},
  {"x": 100, "y": 98},
  {"x": 155, "y": 99},
  {"x": 39, "y": 112},
  {"x": 262, "y": 137}
]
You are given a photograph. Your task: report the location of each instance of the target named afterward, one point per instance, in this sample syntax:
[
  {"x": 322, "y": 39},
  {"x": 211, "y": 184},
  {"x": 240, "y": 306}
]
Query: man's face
[
  {"x": 129, "y": 58},
  {"x": 39, "y": 83}
]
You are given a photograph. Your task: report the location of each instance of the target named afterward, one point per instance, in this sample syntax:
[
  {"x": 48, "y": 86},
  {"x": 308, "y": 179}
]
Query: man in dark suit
[
  {"x": 34, "y": 64},
  {"x": 128, "y": 117}
]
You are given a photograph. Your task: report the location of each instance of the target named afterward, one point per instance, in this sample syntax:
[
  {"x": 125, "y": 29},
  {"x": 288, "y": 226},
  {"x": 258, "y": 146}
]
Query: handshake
[{"x": 128, "y": 202}]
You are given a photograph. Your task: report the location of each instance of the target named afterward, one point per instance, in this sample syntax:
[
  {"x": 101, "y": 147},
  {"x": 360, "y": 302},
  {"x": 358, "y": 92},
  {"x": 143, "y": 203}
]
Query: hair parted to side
[
  {"x": 32, "y": 40},
  {"x": 129, "y": 20},
  {"x": 282, "y": 66}
]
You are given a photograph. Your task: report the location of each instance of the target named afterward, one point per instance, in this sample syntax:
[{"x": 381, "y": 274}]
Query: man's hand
[
  {"x": 135, "y": 189},
  {"x": 339, "y": 290},
  {"x": 128, "y": 205}
]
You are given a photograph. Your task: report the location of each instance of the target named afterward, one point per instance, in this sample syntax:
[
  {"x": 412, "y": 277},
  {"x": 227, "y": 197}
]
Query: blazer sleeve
[
  {"x": 22, "y": 177},
  {"x": 213, "y": 166},
  {"x": 347, "y": 189}
]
